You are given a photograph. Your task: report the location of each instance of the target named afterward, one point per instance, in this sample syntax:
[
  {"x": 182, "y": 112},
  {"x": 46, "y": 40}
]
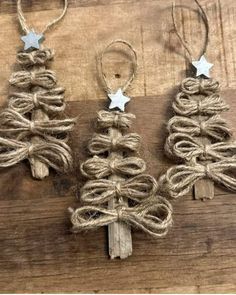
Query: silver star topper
[
  {"x": 118, "y": 100},
  {"x": 32, "y": 40},
  {"x": 203, "y": 67}
]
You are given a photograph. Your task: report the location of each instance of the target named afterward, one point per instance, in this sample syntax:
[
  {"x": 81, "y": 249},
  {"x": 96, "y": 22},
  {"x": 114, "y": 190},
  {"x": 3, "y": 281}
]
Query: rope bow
[
  {"x": 188, "y": 148},
  {"x": 101, "y": 143},
  {"x": 185, "y": 105},
  {"x": 36, "y": 57},
  {"x": 153, "y": 217},
  {"x": 24, "y": 79},
  {"x": 180, "y": 179},
  {"x": 55, "y": 154},
  {"x": 18, "y": 124},
  {"x": 199, "y": 86},
  {"x": 102, "y": 190},
  {"x": 48, "y": 100},
  {"x": 114, "y": 119},
  {"x": 96, "y": 167},
  {"x": 214, "y": 127}
]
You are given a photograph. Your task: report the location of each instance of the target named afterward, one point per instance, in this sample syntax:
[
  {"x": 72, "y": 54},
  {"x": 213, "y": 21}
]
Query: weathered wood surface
[{"x": 37, "y": 251}]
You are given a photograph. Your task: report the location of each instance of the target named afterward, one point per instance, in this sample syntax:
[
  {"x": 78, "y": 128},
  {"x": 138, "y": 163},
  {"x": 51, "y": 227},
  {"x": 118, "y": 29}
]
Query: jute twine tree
[
  {"x": 118, "y": 194},
  {"x": 199, "y": 137},
  {"x": 30, "y": 127}
]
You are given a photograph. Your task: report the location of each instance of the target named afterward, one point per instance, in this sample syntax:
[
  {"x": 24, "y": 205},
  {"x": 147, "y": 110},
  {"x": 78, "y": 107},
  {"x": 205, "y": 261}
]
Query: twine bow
[
  {"x": 48, "y": 100},
  {"x": 15, "y": 123},
  {"x": 137, "y": 189},
  {"x": 36, "y": 57},
  {"x": 114, "y": 119},
  {"x": 101, "y": 143},
  {"x": 24, "y": 79},
  {"x": 188, "y": 148},
  {"x": 184, "y": 105},
  {"x": 153, "y": 217},
  {"x": 214, "y": 127},
  {"x": 55, "y": 154},
  {"x": 96, "y": 167},
  {"x": 179, "y": 179},
  {"x": 199, "y": 86}
]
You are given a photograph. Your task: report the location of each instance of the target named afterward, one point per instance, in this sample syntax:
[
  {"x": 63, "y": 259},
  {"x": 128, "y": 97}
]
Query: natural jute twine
[
  {"x": 117, "y": 175},
  {"x": 199, "y": 137},
  {"x": 39, "y": 139}
]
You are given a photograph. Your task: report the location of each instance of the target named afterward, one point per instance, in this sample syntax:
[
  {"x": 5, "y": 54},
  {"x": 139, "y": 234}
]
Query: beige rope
[
  {"x": 178, "y": 180},
  {"x": 184, "y": 105},
  {"x": 153, "y": 217},
  {"x": 25, "y": 79},
  {"x": 203, "y": 86},
  {"x": 214, "y": 127},
  {"x": 35, "y": 57},
  {"x": 24, "y": 24},
  {"x": 96, "y": 167},
  {"x": 101, "y": 143},
  {"x": 50, "y": 101},
  {"x": 188, "y": 148},
  {"x": 101, "y": 191},
  {"x": 185, "y": 45},
  {"x": 55, "y": 154},
  {"x": 131, "y": 78},
  {"x": 15, "y": 123},
  {"x": 114, "y": 119}
]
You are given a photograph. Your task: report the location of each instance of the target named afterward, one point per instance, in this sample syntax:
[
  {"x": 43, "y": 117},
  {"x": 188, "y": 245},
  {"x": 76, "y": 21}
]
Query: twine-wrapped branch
[
  {"x": 179, "y": 180},
  {"x": 101, "y": 143},
  {"x": 55, "y": 154},
  {"x": 153, "y": 217},
  {"x": 203, "y": 86},
  {"x": 214, "y": 127},
  {"x": 96, "y": 167},
  {"x": 25, "y": 79},
  {"x": 15, "y": 123},
  {"x": 188, "y": 148},
  {"x": 36, "y": 57},
  {"x": 51, "y": 101},
  {"x": 101, "y": 191},
  {"x": 184, "y": 105},
  {"x": 114, "y": 119}
]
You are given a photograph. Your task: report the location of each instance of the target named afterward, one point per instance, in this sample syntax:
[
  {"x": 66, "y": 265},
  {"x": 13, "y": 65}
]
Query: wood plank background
[{"x": 37, "y": 251}]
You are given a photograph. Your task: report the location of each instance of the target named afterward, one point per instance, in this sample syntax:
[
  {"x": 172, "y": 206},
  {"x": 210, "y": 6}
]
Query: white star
[
  {"x": 118, "y": 100},
  {"x": 203, "y": 67},
  {"x": 32, "y": 40}
]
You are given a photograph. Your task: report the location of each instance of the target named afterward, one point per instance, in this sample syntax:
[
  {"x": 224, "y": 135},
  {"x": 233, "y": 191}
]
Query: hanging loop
[
  {"x": 185, "y": 45},
  {"x": 24, "y": 24},
  {"x": 134, "y": 66}
]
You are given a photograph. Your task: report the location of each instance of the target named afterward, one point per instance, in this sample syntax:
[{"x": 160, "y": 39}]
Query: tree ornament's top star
[
  {"x": 203, "y": 67},
  {"x": 118, "y": 100},
  {"x": 32, "y": 40}
]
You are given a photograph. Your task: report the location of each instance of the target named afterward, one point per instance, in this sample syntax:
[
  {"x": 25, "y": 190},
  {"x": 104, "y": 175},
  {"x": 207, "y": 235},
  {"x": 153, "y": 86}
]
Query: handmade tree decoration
[
  {"x": 118, "y": 194},
  {"x": 199, "y": 137},
  {"x": 30, "y": 127}
]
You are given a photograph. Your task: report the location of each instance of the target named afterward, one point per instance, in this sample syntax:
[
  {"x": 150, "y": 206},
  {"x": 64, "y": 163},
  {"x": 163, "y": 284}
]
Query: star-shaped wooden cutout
[
  {"x": 203, "y": 67},
  {"x": 118, "y": 100},
  {"x": 32, "y": 40}
]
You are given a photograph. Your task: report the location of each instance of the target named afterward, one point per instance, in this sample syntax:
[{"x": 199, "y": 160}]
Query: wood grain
[{"x": 37, "y": 251}]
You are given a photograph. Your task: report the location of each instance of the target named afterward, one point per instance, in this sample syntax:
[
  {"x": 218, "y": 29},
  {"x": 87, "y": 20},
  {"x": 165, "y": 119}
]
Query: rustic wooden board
[{"x": 37, "y": 251}]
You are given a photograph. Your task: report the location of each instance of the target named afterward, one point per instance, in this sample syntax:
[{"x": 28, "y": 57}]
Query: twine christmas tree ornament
[
  {"x": 199, "y": 137},
  {"x": 32, "y": 116},
  {"x": 118, "y": 194}
]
